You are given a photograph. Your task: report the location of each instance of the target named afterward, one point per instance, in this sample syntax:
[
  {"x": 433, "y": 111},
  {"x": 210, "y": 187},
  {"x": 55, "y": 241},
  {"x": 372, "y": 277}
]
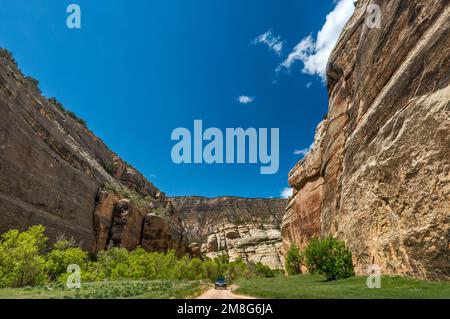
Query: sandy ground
[{"x": 221, "y": 294}]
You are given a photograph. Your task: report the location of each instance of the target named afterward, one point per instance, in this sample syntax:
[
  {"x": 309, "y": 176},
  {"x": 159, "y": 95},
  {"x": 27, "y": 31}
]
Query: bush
[
  {"x": 4, "y": 53},
  {"x": 329, "y": 257},
  {"x": 32, "y": 83},
  {"x": 71, "y": 114},
  {"x": 235, "y": 269},
  {"x": 264, "y": 270},
  {"x": 61, "y": 256},
  {"x": 293, "y": 261},
  {"x": 21, "y": 262}
]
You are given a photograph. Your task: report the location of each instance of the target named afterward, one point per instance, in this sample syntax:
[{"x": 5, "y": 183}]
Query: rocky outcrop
[
  {"x": 301, "y": 221},
  {"x": 385, "y": 148},
  {"x": 251, "y": 242},
  {"x": 202, "y": 215},
  {"x": 54, "y": 170},
  {"x": 239, "y": 227}
]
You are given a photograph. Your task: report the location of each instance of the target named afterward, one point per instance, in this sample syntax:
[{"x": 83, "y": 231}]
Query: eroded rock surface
[
  {"x": 385, "y": 150},
  {"x": 53, "y": 171},
  {"x": 251, "y": 242},
  {"x": 239, "y": 227}
]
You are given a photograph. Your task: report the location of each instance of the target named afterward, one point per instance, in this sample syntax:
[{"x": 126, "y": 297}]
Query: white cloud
[
  {"x": 271, "y": 41},
  {"x": 286, "y": 192},
  {"x": 304, "y": 151},
  {"x": 244, "y": 99},
  {"x": 308, "y": 85},
  {"x": 315, "y": 53}
]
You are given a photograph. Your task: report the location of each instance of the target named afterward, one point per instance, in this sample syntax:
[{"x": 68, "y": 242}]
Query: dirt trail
[{"x": 221, "y": 294}]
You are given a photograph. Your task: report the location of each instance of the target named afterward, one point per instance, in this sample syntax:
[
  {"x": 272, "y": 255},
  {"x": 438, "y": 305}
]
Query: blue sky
[{"x": 137, "y": 70}]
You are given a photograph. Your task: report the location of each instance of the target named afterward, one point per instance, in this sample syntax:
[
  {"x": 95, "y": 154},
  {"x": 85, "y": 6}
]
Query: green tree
[
  {"x": 293, "y": 261},
  {"x": 111, "y": 261},
  {"x": 21, "y": 262},
  {"x": 329, "y": 257},
  {"x": 60, "y": 257},
  {"x": 264, "y": 270}
]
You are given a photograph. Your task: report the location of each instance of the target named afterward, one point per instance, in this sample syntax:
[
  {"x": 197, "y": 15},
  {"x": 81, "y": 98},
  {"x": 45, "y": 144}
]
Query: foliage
[
  {"x": 264, "y": 270},
  {"x": 60, "y": 257},
  {"x": 123, "y": 191},
  {"x": 21, "y": 259},
  {"x": 23, "y": 262},
  {"x": 5, "y": 53},
  {"x": 293, "y": 261},
  {"x": 71, "y": 114},
  {"x": 329, "y": 257},
  {"x": 32, "y": 83}
]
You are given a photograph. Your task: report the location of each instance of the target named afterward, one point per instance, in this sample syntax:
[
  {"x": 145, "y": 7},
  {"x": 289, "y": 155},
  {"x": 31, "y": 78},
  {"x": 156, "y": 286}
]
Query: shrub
[
  {"x": 110, "y": 261},
  {"x": 264, "y": 270},
  {"x": 32, "y": 83},
  {"x": 60, "y": 257},
  {"x": 210, "y": 270},
  {"x": 21, "y": 262},
  {"x": 56, "y": 103},
  {"x": 293, "y": 261},
  {"x": 71, "y": 114},
  {"x": 5, "y": 53},
  {"x": 329, "y": 257},
  {"x": 235, "y": 269}
]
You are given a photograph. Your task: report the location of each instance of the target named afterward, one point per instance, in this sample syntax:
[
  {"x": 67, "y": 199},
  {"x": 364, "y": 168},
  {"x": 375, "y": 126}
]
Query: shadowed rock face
[
  {"x": 52, "y": 171},
  {"x": 385, "y": 148},
  {"x": 239, "y": 227}
]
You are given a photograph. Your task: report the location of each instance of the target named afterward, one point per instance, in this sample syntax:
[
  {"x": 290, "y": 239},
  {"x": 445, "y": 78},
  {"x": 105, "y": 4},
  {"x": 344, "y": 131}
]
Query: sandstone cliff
[
  {"x": 379, "y": 174},
  {"x": 55, "y": 172},
  {"x": 240, "y": 227},
  {"x": 251, "y": 242},
  {"x": 201, "y": 215}
]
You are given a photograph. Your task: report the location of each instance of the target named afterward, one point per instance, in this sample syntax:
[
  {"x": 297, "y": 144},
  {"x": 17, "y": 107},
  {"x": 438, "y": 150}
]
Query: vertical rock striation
[
  {"x": 248, "y": 228},
  {"x": 53, "y": 172},
  {"x": 385, "y": 149}
]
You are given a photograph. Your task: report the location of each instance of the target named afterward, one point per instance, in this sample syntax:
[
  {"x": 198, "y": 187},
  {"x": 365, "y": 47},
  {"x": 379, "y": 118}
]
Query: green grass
[
  {"x": 315, "y": 287},
  {"x": 154, "y": 289}
]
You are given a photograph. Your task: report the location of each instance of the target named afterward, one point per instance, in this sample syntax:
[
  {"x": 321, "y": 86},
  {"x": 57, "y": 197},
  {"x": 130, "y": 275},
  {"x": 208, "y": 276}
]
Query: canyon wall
[
  {"x": 248, "y": 228},
  {"x": 378, "y": 176},
  {"x": 55, "y": 172},
  {"x": 252, "y": 242}
]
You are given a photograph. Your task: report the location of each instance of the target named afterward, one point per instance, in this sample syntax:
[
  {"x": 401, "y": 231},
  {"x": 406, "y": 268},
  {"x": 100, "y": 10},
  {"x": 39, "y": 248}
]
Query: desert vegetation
[{"x": 26, "y": 260}]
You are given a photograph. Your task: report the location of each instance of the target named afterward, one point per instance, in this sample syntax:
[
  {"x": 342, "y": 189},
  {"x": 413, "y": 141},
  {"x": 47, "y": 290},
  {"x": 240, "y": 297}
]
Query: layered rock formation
[
  {"x": 239, "y": 227},
  {"x": 251, "y": 242},
  {"x": 201, "y": 215},
  {"x": 382, "y": 158},
  {"x": 54, "y": 170},
  {"x": 301, "y": 221}
]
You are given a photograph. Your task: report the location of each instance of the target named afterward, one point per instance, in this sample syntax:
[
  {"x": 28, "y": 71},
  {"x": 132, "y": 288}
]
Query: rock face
[
  {"x": 240, "y": 227},
  {"x": 383, "y": 154},
  {"x": 54, "y": 170},
  {"x": 251, "y": 242},
  {"x": 201, "y": 215}
]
